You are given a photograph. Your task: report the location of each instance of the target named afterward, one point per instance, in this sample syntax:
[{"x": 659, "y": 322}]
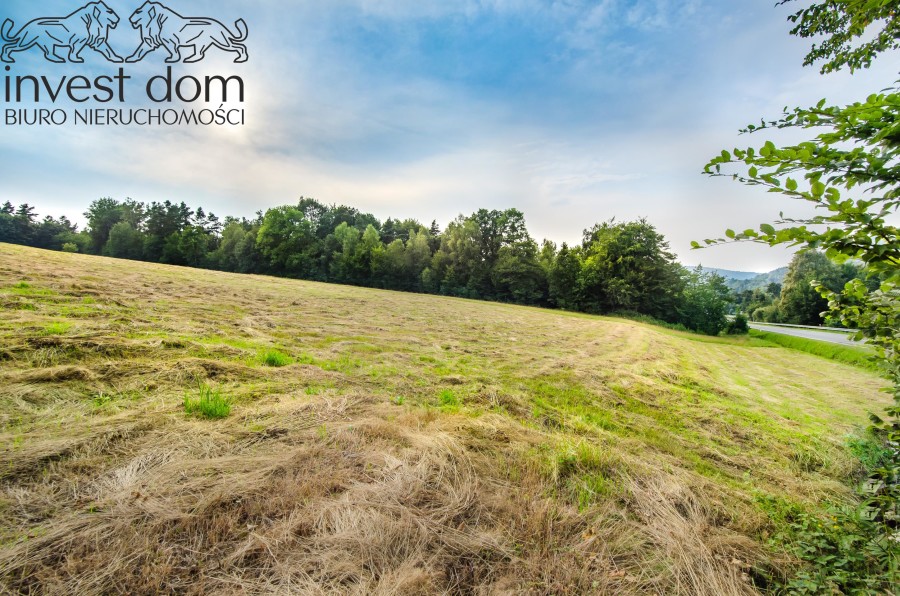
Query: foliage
[
  {"x": 759, "y": 302},
  {"x": 844, "y": 550},
  {"x": 124, "y": 242},
  {"x": 209, "y": 403},
  {"x": 846, "y": 21},
  {"x": 704, "y": 302},
  {"x": 800, "y": 303},
  {"x": 628, "y": 267},
  {"x": 857, "y": 150},
  {"x": 737, "y": 326}
]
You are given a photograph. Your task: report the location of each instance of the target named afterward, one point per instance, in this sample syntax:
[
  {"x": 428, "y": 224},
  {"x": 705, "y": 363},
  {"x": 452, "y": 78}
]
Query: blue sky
[{"x": 572, "y": 111}]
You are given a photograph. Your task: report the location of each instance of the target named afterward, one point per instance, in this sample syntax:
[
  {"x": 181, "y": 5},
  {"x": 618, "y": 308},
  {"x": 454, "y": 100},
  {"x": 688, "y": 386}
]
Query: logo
[
  {"x": 159, "y": 26},
  {"x": 104, "y": 98},
  {"x": 86, "y": 27}
]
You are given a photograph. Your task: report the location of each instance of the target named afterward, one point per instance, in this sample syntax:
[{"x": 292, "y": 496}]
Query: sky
[{"x": 572, "y": 111}]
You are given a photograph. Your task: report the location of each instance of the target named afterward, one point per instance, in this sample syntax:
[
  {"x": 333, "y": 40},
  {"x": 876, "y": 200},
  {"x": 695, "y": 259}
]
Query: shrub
[
  {"x": 70, "y": 247},
  {"x": 845, "y": 552},
  {"x": 737, "y": 326},
  {"x": 209, "y": 403}
]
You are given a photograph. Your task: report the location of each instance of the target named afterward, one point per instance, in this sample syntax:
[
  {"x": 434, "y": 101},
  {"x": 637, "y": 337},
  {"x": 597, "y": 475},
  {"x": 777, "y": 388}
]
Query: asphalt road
[{"x": 827, "y": 336}]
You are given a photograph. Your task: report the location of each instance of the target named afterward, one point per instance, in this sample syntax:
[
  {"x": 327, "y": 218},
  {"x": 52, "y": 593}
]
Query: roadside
[
  {"x": 834, "y": 336},
  {"x": 852, "y": 353}
]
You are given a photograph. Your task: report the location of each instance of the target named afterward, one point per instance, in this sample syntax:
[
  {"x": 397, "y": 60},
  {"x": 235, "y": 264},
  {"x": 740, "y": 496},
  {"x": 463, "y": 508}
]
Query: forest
[{"x": 621, "y": 268}]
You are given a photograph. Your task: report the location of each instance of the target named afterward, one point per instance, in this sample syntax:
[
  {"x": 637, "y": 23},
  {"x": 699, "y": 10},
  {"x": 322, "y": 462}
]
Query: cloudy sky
[{"x": 573, "y": 111}]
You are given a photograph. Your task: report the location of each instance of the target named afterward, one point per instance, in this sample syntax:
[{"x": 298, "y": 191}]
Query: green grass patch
[
  {"x": 343, "y": 364},
  {"x": 305, "y": 359},
  {"x": 274, "y": 358},
  {"x": 208, "y": 403},
  {"x": 24, "y": 288},
  {"x": 853, "y": 356},
  {"x": 56, "y": 328},
  {"x": 583, "y": 473},
  {"x": 449, "y": 400}
]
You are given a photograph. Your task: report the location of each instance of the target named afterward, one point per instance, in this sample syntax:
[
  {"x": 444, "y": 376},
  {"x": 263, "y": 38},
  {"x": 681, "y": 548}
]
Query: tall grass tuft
[
  {"x": 274, "y": 358},
  {"x": 209, "y": 403}
]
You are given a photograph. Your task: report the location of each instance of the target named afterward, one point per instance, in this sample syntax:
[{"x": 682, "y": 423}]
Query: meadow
[{"x": 165, "y": 429}]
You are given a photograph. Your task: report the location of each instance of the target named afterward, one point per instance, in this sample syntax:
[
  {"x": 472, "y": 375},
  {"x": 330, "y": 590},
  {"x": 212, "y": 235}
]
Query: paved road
[{"x": 827, "y": 336}]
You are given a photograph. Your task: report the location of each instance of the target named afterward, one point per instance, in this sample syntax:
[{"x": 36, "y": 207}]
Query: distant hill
[
  {"x": 745, "y": 280},
  {"x": 733, "y": 275}
]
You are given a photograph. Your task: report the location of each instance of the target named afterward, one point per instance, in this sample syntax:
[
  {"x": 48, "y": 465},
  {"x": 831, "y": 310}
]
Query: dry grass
[{"x": 414, "y": 444}]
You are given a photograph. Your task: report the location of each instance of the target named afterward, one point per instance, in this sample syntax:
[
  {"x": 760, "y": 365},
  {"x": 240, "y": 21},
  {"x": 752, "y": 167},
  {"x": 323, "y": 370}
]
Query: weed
[
  {"x": 274, "y": 358},
  {"x": 209, "y": 403},
  {"x": 871, "y": 452},
  {"x": 398, "y": 400},
  {"x": 449, "y": 400},
  {"x": 102, "y": 399}
]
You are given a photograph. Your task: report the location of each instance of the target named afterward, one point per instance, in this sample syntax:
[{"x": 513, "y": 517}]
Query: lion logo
[
  {"x": 86, "y": 27},
  {"x": 161, "y": 26}
]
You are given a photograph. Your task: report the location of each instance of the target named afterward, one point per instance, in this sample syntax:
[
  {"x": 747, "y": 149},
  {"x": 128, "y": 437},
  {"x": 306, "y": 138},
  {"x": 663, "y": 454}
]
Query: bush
[
  {"x": 737, "y": 326},
  {"x": 844, "y": 552},
  {"x": 70, "y": 247},
  {"x": 209, "y": 403}
]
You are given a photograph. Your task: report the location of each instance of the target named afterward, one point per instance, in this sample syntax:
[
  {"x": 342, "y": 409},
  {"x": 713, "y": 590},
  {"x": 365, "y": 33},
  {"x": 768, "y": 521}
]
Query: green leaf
[
  {"x": 818, "y": 189},
  {"x": 767, "y": 229}
]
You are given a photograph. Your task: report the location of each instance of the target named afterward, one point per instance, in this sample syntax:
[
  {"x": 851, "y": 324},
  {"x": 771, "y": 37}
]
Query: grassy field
[{"x": 174, "y": 430}]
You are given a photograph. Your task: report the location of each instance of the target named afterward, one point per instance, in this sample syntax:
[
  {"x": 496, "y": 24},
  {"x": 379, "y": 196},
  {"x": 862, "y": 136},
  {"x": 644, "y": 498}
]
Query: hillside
[
  {"x": 409, "y": 444},
  {"x": 732, "y": 275},
  {"x": 752, "y": 281}
]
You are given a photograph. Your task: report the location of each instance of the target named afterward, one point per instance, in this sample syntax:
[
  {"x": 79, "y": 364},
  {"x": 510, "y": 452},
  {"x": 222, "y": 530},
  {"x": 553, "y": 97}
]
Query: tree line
[{"x": 619, "y": 267}]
